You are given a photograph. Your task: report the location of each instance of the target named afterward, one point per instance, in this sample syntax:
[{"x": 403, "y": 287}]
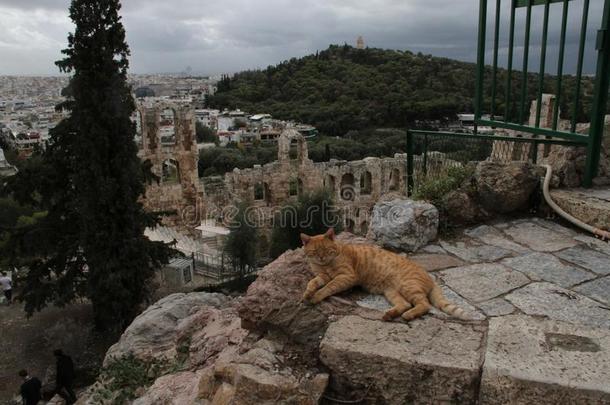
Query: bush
[
  {"x": 312, "y": 214},
  {"x": 434, "y": 189}
]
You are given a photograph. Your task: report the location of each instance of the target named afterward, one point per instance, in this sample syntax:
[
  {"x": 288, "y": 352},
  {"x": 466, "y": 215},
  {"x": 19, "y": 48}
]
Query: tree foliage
[
  {"x": 242, "y": 243},
  {"x": 312, "y": 214},
  {"x": 205, "y": 134},
  {"x": 344, "y": 88},
  {"x": 90, "y": 242}
]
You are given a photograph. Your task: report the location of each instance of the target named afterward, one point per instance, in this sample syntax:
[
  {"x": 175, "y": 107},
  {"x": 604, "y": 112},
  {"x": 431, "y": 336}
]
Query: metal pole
[
  {"x": 409, "y": 163},
  {"x": 480, "y": 60}
]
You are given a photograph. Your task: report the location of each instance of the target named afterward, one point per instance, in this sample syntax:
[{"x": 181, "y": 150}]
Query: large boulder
[
  {"x": 461, "y": 208},
  {"x": 505, "y": 187},
  {"x": 154, "y": 333},
  {"x": 403, "y": 224}
]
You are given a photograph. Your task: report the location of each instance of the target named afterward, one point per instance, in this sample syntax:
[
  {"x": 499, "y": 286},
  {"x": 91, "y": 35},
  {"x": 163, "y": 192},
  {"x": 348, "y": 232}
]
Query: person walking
[
  {"x": 7, "y": 287},
  {"x": 64, "y": 377},
  {"x": 30, "y": 389}
]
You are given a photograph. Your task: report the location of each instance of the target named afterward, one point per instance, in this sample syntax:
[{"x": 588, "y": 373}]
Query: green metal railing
[
  {"x": 430, "y": 154},
  {"x": 516, "y": 121}
]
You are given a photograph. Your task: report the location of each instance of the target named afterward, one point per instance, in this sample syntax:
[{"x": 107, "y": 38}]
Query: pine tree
[
  {"x": 241, "y": 244},
  {"x": 91, "y": 241}
]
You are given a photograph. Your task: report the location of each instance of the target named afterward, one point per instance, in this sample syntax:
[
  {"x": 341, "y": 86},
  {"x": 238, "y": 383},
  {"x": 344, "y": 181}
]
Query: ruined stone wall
[
  {"x": 356, "y": 186},
  {"x": 173, "y": 159}
]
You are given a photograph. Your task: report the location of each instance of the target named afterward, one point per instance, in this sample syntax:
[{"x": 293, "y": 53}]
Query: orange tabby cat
[{"x": 339, "y": 267}]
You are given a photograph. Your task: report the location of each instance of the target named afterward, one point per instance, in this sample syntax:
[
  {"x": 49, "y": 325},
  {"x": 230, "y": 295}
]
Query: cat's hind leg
[
  {"x": 421, "y": 307},
  {"x": 400, "y": 305}
]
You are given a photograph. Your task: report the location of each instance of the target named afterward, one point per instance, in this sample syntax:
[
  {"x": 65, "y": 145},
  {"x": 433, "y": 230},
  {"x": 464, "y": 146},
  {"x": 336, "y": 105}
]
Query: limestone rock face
[
  {"x": 505, "y": 187},
  {"x": 154, "y": 333},
  {"x": 403, "y": 225}
]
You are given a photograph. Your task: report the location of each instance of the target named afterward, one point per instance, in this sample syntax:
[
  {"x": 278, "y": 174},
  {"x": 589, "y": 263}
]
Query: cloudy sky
[{"x": 230, "y": 35}]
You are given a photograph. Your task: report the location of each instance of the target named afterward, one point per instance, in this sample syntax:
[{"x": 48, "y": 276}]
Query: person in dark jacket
[
  {"x": 64, "y": 377},
  {"x": 30, "y": 389}
]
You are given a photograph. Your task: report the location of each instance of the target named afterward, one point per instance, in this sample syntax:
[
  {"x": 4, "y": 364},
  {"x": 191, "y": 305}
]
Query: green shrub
[{"x": 433, "y": 189}]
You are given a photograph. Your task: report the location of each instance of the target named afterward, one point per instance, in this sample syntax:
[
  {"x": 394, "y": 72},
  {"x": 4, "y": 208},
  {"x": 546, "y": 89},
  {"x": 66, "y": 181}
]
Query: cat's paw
[
  {"x": 388, "y": 316},
  {"x": 307, "y": 295},
  {"x": 316, "y": 299}
]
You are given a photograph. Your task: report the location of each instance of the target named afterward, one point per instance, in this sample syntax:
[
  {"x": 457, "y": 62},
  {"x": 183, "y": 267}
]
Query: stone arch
[
  {"x": 364, "y": 227},
  {"x": 366, "y": 183},
  {"x": 170, "y": 171},
  {"x": 167, "y": 126},
  {"x": 347, "y": 187},
  {"x": 259, "y": 191},
  {"x": 285, "y": 142},
  {"x": 394, "y": 179},
  {"x": 330, "y": 183},
  {"x": 349, "y": 225}
]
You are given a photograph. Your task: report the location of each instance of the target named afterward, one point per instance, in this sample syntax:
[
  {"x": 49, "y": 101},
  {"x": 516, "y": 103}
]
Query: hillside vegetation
[{"x": 343, "y": 88}]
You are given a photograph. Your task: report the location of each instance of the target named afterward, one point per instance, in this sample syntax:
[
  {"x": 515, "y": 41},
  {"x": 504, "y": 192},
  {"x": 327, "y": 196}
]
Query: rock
[
  {"x": 481, "y": 282},
  {"x": 429, "y": 362},
  {"x": 568, "y": 164},
  {"x": 497, "y": 307},
  {"x": 587, "y": 258},
  {"x": 173, "y": 389},
  {"x": 505, "y": 187},
  {"x": 261, "y": 377},
  {"x": 462, "y": 208},
  {"x": 593, "y": 243},
  {"x": 491, "y": 236},
  {"x": 404, "y": 225},
  {"x": 153, "y": 334},
  {"x": 476, "y": 252},
  {"x": 597, "y": 289},
  {"x": 538, "y": 238},
  {"x": 545, "y": 266},
  {"x": 554, "y": 302},
  {"x": 590, "y": 206},
  {"x": 533, "y": 361}
]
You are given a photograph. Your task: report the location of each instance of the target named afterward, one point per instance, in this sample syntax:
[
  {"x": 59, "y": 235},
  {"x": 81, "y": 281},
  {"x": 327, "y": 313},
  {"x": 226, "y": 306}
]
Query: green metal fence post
[
  {"x": 478, "y": 105},
  {"x": 409, "y": 163},
  {"x": 600, "y": 98}
]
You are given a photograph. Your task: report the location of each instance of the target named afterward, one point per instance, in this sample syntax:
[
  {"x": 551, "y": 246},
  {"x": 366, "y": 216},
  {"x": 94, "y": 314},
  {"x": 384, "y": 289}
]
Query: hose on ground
[{"x": 604, "y": 235}]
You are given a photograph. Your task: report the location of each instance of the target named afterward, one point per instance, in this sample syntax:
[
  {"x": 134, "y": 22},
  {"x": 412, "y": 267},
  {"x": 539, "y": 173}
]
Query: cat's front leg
[
  {"x": 314, "y": 285},
  {"x": 340, "y": 283}
]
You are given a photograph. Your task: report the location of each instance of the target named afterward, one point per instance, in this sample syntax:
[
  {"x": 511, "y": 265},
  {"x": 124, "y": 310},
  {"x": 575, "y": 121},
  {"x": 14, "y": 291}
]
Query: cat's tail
[{"x": 439, "y": 301}]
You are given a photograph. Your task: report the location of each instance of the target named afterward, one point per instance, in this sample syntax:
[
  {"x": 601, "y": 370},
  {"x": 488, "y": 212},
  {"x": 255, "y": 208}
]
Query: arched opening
[
  {"x": 300, "y": 187},
  {"x": 293, "y": 153},
  {"x": 293, "y": 187},
  {"x": 259, "y": 191},
  {"x": 167, "y": 128},
  {"x": 394, "y": 179},
  {"x": 170, "y": 171},
  {"x": 364, "y": 228},
  {"x": 267, "y": 192},
  {"x": 347, "y": 187},
  {"x": 366, "y": 183},
  {"x": 349, "y": 225}
]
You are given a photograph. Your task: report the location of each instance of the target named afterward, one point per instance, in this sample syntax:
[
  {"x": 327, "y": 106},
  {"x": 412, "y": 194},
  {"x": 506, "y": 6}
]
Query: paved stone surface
[
  {"x": 491, "y": 236},
  {"x": 476, "y": 253},
  {"x": 433, "y": 249},
  {"x": 497, "y": 307},
  {"x": 539, "y": 238},
  {"x": 587, "y": 258},
  {"x": 481, "y": 282},
  {"x": 594, "y": 243},
  {"x": 553, "y": 226},
  {"x": 557, "y": 303},
  {"x": 531, "y": 361},
  {"x": 597, "y": 289},
  {"x": 471, "y": 312},
  {"x": 432, "y": 262},
  {"x": 426, "y": 361},
  {"x": 544, "y": 266}
]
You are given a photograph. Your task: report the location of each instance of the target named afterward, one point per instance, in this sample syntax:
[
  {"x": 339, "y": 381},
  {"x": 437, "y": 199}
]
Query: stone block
[
  {"x": 597, "y": 289},
  {"x": 481, "y": 282},
  {"x": 426, "y": 361},
  {"x": 496, "y": 307},
  {"x": 545, "y": 266},
  {"x": 587, "y": 258},
  {"x": 491, "y": 236},
  {"x": 533, "y": 361},
  {"x": 475, "y": 252},
  {"x": 539, "y": 238},
  {"x": 554, "y": 302}
]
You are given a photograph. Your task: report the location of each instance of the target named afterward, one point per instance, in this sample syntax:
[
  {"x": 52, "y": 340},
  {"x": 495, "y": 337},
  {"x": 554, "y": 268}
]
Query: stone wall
[{"x": 173, "y": 159}]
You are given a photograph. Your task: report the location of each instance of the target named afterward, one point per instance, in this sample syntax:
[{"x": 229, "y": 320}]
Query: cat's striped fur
[{"x": 339, "y": 267}]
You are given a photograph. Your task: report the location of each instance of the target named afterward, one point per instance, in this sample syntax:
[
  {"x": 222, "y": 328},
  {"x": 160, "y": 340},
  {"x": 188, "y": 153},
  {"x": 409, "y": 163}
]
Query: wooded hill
[{"x": 343, "y": 88}]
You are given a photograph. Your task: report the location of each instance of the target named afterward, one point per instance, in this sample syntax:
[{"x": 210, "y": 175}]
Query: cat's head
[{"x": 321, "y": 249}]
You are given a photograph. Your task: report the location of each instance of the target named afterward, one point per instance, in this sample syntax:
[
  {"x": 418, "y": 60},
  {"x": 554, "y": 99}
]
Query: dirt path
[{"x": 29, "y": 343}]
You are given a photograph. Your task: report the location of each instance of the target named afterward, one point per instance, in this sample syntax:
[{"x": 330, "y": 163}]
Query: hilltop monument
[{"x": 360, "y": 42}]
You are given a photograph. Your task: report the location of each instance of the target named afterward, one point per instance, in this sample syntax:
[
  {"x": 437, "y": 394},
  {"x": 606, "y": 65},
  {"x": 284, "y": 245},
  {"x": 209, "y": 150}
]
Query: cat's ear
[
  {"x": 330, "y": 234},
  {"x": 305, "y": 239}
]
